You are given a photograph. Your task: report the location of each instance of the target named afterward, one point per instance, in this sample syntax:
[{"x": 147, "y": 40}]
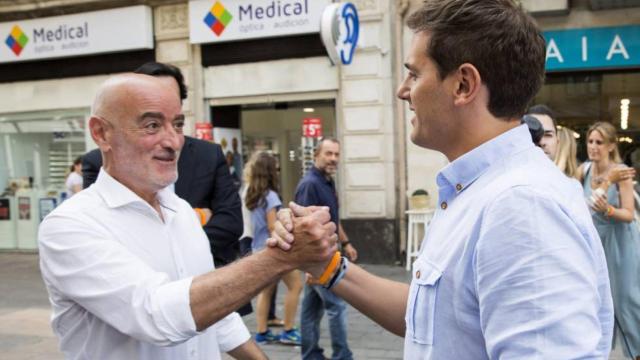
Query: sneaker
[
  {"x": 291, "y": 337},
  {"x": 266, "y": 337}
]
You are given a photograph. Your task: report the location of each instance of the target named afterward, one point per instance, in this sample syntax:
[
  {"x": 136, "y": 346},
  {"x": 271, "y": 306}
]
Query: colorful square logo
[
  {"x": 218, "y": 18},
  {"x": 17, "y": 40}
]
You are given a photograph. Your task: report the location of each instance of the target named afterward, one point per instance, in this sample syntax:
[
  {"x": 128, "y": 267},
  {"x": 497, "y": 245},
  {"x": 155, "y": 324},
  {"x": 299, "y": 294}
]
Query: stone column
[
  {"x": 171, "y": 28},
  {"x": 366, "y": 120}
]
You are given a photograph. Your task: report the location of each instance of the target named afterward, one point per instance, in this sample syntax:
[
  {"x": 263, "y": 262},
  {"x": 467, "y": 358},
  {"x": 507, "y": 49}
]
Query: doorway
[{"x": 278, "y": 129}]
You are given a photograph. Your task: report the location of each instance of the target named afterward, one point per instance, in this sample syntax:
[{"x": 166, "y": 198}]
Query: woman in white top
[{"x": 73, "y": 183}]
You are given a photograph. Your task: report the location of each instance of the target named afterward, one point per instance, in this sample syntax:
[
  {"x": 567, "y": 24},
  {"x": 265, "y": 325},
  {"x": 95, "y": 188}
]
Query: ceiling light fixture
[{"x": 624, "y": 114}]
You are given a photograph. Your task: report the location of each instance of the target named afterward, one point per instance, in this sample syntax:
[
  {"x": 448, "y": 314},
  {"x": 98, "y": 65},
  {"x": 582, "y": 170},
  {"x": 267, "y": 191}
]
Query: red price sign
[
  {"x": 312, "y": 127},
  {"x": 204, "y": 131}
]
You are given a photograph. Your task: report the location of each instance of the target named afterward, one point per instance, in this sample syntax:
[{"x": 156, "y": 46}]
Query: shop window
[
  {"x": 37, "y": 152},
  {"x": 277, "y": 128},
  {"x": 581, "y": 99}
]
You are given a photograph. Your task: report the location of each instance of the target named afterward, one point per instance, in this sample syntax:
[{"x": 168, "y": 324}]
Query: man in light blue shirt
[{"x": 511, "y": 266}]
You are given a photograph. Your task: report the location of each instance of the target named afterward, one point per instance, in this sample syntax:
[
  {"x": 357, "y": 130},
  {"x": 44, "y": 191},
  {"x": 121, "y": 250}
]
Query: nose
[
  {"x": 171, "y": 138},
  {"x": 403, "y": 91}
]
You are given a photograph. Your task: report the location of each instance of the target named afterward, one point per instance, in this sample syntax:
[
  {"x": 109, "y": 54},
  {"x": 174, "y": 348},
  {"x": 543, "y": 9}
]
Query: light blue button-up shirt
[{"x": 511, "y": 266}]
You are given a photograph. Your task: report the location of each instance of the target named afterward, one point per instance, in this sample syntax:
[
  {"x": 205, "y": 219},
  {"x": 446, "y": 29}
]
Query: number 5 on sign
[{"x": 312, "y": 127}]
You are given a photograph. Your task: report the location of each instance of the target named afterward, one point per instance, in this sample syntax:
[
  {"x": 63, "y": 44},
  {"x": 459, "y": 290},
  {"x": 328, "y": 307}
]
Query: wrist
[
  {"x": 609, "y": 211},
  {"x": 322, "y": 275},
  {"x": 280, "y": 262}
]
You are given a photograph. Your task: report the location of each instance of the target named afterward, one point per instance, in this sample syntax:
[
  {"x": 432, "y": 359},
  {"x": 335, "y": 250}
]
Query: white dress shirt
[
  {"x": 511, "y": 266},
  {"x": 118, "y": 277}
]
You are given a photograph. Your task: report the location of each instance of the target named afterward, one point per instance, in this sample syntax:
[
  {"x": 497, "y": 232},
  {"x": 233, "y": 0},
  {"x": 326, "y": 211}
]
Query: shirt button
[
  {"x": 459, "y": 187},
  {"x": 443, "y": 205}
]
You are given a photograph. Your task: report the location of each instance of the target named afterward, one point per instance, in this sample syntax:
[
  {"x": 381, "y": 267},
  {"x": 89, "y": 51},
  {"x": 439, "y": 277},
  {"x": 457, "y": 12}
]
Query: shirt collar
[
  {"x": 115, "y": 194},
  {"x": 466, "y": 169}
]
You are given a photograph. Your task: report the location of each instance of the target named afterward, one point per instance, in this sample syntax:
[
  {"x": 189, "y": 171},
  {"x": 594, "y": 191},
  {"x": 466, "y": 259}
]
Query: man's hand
[
  {"x": 282, "y": 235},
  {"x": 350, "y": 252},
  {"x": 314, "y": 234}
]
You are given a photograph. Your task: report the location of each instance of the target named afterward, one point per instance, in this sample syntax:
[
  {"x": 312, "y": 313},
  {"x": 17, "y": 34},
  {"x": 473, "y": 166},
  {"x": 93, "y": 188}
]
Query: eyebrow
[
  {"x": 152, "y": 115},
  {"x": 157, "y": 115},
  {"x": 409, "y": 67}
]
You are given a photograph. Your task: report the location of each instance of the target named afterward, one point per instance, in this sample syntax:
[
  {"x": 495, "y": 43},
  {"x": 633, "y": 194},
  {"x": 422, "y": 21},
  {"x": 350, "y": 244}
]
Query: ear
[
  {"x": 468, "y": 84},
  {"x": 99, "y": 132}
]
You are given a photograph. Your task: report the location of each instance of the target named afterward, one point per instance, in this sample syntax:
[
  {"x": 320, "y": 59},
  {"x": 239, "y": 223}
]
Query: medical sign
[
  {"x": 312, "y": 127},
  {"x": 340, "y": 30},
  {"x": 218, "y": 18},
  {"x": 593, "y": 48},
  {"x": 225, "y": 20},
  {"x": 93, "y": 32},
  {"x": 16, "y": 40}
]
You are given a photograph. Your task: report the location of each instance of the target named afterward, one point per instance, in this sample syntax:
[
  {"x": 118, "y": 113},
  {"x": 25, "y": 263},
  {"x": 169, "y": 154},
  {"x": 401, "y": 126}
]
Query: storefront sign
[
  {"x": 224, "y": 20},
  {"x": 339, "y": 30},
  {"x": 312, "y": 127},
  {"x": 593, "y": 48},
  {"x": 79, "y": 34},
  {"x": 5, "y": 209},
  {"x": 204, "y": 131}
]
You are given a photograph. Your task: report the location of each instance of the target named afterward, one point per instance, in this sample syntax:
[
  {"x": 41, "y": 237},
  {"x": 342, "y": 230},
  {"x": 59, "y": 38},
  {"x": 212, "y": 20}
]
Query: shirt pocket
[{"x": 421, "y": 306}]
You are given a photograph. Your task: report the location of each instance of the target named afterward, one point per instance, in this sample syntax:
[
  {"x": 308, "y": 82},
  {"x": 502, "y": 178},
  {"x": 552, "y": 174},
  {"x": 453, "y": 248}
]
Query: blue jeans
[{"x": 316, "y": 300}]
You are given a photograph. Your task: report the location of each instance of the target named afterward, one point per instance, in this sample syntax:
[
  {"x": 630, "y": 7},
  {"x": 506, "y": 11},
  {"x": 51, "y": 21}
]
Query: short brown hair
[
  {"x": 316, "y": 151},
  {"x": 497, "y": 37}
]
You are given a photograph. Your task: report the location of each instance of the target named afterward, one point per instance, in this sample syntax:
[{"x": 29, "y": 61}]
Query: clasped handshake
[{"x": 305, "y": 238}]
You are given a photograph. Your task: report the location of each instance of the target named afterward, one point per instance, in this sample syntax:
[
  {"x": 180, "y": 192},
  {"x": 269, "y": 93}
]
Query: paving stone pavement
[{"x": 25, "y": 333}]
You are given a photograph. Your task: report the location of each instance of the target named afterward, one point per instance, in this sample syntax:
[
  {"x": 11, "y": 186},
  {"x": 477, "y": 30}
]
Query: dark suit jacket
[{"x": 203, "y": 181}]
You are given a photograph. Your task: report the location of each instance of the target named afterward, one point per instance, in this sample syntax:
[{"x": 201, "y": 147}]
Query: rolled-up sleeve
[
  {"x": 536, "y": 281},
  {"x": 80, "y": 261},
  {"x": 231, "y": 332}
]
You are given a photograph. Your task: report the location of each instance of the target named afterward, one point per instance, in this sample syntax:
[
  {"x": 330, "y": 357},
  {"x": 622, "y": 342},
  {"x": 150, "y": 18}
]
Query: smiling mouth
[{"x": 166, "y": 158}]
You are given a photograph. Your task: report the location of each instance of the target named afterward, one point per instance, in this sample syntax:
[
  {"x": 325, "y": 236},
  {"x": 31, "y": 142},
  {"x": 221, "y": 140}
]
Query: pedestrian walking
[
  {"x": 317, "y": 188},
  {"x": 263, "y": 201}
]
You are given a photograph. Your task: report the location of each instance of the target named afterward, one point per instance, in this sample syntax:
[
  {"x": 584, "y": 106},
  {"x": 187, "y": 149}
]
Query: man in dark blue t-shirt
[{"x": 318, "y": 188}]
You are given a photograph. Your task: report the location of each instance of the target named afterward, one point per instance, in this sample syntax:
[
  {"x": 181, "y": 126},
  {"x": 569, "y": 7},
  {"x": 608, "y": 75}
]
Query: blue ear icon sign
[
  {"x": 339, "y": 30},
  {"x": 352, "y": 25}
]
